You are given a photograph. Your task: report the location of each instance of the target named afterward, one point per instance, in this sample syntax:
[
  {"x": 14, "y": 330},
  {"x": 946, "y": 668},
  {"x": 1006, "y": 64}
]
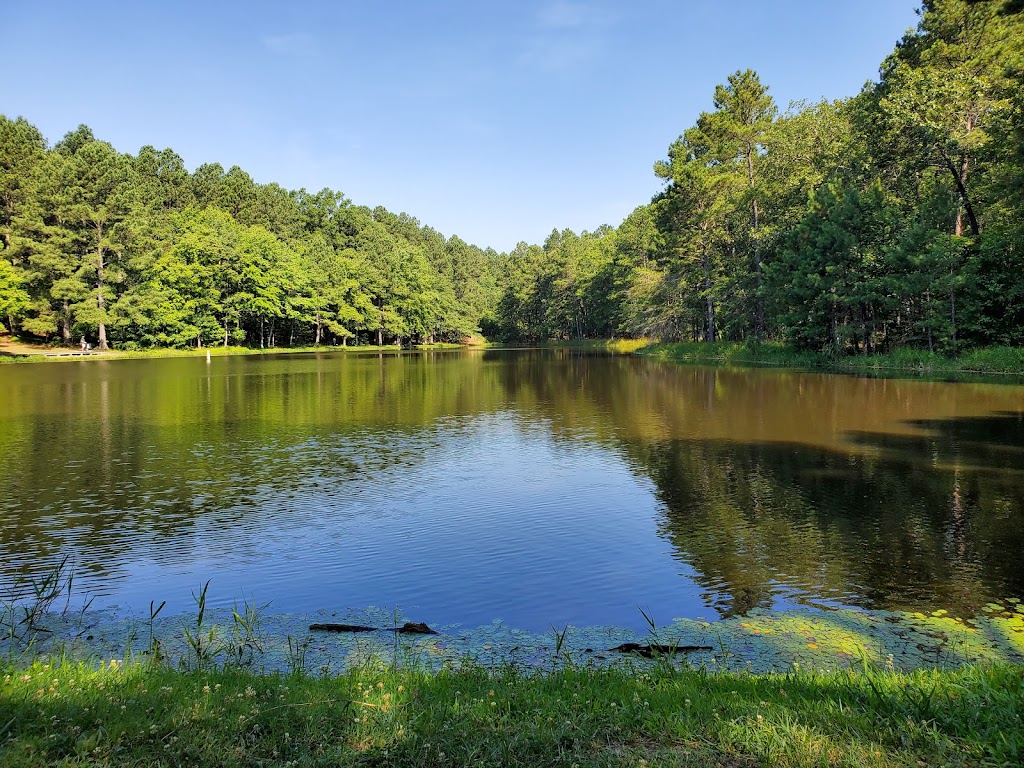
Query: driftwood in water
[
  {"x": 409, "y": 628},
  {"x": 648, "y": 651},
  {"x": 341, "y": 628},
  {"x": 414, "y": 628}
]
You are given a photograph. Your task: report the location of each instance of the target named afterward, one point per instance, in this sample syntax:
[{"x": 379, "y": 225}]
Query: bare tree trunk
[
  {"x": 834, "y": 323},
  {"x": 958, "y": 227},
  {"x": 102, "y": 331},
  {"x": 710, "y": 335},
  {"x": 65, "y": 323},
  {"x": 864, "y": 334},
  {"x": 758, "y": 276},
  {"x": 961, "y": 185},
  {"x": 380, "y": 328},
  {"x": 710, "y": 308},
  {"x": 952, "y": 315},
  {"x": 928, "y": 300}
]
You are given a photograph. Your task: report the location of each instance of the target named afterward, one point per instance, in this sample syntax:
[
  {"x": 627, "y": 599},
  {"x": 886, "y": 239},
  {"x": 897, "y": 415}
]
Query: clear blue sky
[{"x": 496, "y": 121}]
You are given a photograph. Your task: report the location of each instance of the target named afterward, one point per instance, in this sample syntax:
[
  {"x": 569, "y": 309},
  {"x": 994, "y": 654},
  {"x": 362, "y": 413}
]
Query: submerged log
[
  {"x": 341, "y": 628},
  {"x": 648, "y": 651},
  {"x": 414, "y": 628}
]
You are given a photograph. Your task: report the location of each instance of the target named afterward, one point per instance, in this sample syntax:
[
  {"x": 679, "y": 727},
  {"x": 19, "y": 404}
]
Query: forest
[{"x": 894, "y": 218}]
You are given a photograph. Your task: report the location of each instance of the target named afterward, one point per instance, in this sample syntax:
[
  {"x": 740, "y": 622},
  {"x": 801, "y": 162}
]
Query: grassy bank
[
  {"x": 143, "y": 714},
  {"x": 58, "y": 354},
  {"x": 992, "y": 361}
]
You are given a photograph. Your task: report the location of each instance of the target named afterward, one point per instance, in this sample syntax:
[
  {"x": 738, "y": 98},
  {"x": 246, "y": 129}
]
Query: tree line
[
  {"x": 134, "y": 250},
  {"x": 892, "y": 218}
]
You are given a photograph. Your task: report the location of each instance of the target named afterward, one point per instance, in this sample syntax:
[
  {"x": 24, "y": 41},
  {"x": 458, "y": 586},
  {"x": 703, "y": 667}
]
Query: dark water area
[{"x": 539, "y": 487}]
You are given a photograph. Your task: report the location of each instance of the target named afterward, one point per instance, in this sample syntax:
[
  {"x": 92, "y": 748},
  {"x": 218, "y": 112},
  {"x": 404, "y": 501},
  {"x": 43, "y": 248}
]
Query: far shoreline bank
[
  {"x": 1001, "y": 363},
  {"x": 992, "y": 364},
  {"x": 69, "y": 354}
]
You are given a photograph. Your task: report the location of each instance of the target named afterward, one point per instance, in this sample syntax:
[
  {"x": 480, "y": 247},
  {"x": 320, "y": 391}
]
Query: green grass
[
  {"x": 988, "y": 361},
  {"x": 77, "y": 714}
]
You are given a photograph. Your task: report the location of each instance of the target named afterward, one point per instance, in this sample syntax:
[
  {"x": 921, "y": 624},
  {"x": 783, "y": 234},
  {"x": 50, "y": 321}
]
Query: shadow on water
[
  {"x": 767, "y": 524},
  {"x": 982, "y": 442},
  {"x": 1005, "y": 429}
]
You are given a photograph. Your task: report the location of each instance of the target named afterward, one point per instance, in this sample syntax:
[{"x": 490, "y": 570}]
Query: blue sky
[{"x": 496, "y": 121}]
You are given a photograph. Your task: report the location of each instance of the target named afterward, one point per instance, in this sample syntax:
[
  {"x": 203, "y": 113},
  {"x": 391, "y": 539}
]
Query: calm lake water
[{"x": 540, "y": 487}]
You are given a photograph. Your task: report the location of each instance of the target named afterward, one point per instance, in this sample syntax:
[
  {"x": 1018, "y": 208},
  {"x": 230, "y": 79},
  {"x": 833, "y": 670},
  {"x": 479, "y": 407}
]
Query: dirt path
[{"x": 9, "y": 346}]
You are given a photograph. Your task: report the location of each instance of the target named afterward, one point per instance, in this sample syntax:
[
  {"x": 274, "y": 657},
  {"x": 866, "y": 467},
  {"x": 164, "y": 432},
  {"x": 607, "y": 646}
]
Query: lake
[{"x": 540, "y": 487}]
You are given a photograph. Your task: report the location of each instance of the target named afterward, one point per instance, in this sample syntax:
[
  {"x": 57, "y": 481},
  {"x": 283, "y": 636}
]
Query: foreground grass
[
  {"x": 141, "y": 714},
  {"x": 986, "y": 361}
]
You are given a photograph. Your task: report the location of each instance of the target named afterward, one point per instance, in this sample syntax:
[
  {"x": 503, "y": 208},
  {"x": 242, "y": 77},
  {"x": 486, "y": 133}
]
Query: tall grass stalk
[{"x": 31, "y": 599}]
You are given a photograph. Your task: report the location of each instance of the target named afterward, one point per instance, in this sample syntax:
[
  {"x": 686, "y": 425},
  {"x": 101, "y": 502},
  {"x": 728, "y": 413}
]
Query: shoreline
[
  {"x": 220, "y": 706},
  {"x": 993, "y": 364},
  {"x": 760, "y": 642}
]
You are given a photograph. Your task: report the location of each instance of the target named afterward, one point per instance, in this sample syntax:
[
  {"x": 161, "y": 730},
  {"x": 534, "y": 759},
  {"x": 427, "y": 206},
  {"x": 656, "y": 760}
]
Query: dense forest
[
  {"x": 892, "y": 218},
  {"x": 138, "y": 252}
]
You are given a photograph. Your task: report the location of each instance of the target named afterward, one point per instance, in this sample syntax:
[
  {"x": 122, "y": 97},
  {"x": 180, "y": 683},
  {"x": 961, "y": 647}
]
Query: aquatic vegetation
[
  {"x": 242, "y": 687},
  {"x": 760, "y": 642},
  {"x": 31, "y": 600}
]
